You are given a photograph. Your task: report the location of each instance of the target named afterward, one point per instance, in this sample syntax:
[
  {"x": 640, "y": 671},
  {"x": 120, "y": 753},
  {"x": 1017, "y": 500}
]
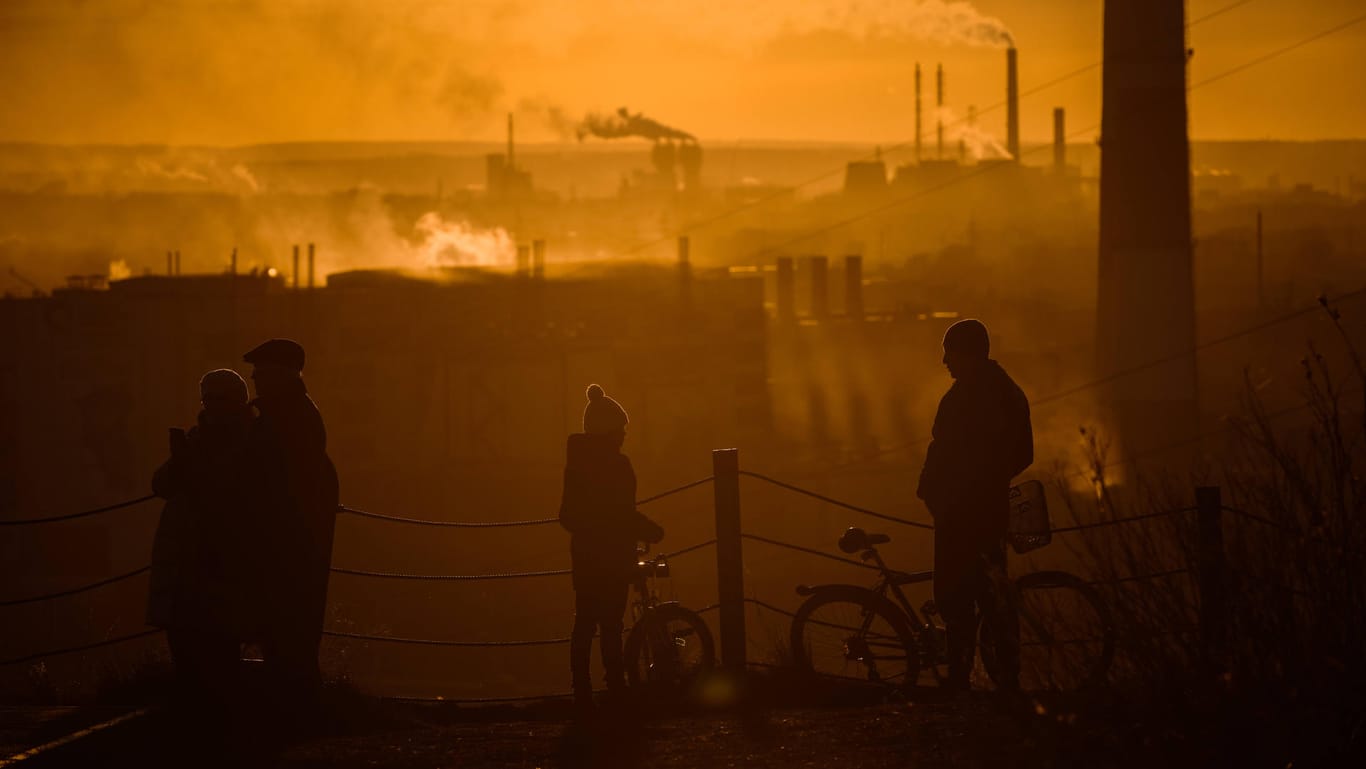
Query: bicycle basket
[{"x": 1029, "y": 526}]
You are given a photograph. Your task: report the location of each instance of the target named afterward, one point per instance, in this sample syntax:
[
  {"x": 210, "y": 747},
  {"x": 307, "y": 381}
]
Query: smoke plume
[
  {"x": 461, "y": 244},
  {"x": 978, "y": 141},
  {"x": 623, "y": 123}
]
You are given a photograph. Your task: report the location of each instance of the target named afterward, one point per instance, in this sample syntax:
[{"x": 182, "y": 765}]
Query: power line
[{"x": 899, "y": 146}]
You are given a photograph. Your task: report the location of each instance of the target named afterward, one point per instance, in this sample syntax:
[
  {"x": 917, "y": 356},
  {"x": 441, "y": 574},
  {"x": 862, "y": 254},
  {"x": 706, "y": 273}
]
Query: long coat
[
  {"x": 598, "y": 509},
  {"x": 197, "y": 580},
  {"x": 294, "y": 493},
  {"x": 982, "y": 439}
]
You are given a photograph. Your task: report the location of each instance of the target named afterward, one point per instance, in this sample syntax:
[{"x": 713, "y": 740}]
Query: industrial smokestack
[
  {"x": 853, "y": 286},
  {"x": 1146, "y": 299},
  {"x": 310, "y": 266},
  {"x": 917, "y": 112},
  {"x": 1012, "y": 104},
  {"x": 1059, "y": 141},
  {"x": 820, "y": 287},
  {"x": 786, "y": 293},
  {"x": 939, "y": 109},
  {"x": 538, "y": 259},
  {"x": 523, "y": 260},
  {"x": 234, "y": 260},
  {"x": 296, "y": 266},
  {"x": 512, "y": 162}
]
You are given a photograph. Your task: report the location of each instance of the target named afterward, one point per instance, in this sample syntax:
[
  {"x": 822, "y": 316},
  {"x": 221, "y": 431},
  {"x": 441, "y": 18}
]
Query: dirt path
[{"x": 971, "y": 732}]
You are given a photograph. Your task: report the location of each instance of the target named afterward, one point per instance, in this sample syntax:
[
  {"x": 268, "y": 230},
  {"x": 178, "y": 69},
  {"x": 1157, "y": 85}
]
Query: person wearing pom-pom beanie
[{"x": 598, "y": 509}]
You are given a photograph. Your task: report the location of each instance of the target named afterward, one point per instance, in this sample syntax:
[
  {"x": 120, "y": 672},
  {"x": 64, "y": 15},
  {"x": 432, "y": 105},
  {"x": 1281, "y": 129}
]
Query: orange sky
[{"x": 249, "y": 71}]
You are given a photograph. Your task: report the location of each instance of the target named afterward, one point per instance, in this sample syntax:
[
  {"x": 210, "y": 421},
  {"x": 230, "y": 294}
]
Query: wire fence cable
[
  {"x": 82, "y": 514},
  {"x": 836, "y": 502},
  {"x": 75, "y": 590}
]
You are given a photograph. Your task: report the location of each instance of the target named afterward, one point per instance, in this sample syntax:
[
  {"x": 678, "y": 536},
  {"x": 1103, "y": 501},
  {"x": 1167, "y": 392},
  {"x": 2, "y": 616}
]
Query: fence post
[
  {"x": 1211, "y": 572},
  {"x": 730, "y": 567}
]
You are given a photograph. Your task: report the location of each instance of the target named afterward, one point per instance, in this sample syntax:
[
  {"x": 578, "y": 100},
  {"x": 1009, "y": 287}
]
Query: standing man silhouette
[
  {"x": 598, "y": 509},
  {"x": 294, "y": 491},
  {"x": 982, "y": 439}
]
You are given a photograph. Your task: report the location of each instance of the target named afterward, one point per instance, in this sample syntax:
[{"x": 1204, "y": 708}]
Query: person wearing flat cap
[
  {"x": 295, "y": 495},
  {"x": 982, "y": 439},
  {"x": 195, "y": 588},
  {"x": 598, "y": 509}
]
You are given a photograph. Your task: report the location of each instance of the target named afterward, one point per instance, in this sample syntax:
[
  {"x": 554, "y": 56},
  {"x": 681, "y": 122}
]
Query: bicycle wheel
[
  {"x": 855, "y": 634},
  {"x": 668, "y": 647},
  {"x": 1064, "y": 635}
]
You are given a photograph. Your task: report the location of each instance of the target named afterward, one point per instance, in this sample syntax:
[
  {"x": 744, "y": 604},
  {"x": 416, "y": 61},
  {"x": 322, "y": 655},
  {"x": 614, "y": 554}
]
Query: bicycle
[
  {"x": 669, "y": 644},
  {"x": 1066, "y": 637}
]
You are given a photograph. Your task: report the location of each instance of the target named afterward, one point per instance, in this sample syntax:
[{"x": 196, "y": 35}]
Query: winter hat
[
  {"x": 969, "y": 337},
  {"x": 603, "y": 415},
  {"x": 223, "y": 384}
]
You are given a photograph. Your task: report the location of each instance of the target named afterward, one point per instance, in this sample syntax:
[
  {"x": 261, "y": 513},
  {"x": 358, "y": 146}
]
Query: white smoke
[
  {"x": 461, "y": 244},
  {"x": 119, "y": 270},
  {"x": 978, "y": 141}
]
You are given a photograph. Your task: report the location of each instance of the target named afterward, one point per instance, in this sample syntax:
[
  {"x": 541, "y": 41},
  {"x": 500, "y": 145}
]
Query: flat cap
[{"x": 280, "y": 352}]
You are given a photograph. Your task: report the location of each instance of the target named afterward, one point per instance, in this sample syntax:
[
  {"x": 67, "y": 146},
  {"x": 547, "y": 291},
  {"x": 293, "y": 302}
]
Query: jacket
[{"x": 598, "y": 509}]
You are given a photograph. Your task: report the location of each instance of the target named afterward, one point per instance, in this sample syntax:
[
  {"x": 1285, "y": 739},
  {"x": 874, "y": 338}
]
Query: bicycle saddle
[{"x": 855, "y": 539}]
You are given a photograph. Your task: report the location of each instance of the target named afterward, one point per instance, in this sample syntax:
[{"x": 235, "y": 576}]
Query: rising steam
[
  {"x": 461, "y": 244},
  {"x": 623, "y": 123},
  {"x": 976, "y": 139}
]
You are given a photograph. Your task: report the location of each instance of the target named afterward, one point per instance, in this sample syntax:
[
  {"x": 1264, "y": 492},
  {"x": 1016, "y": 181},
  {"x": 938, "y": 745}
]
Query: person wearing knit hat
[
  {"x": 602, "y": 415},
  {"x": 598, "y": 509},
  {"x": 980, "y": 441},
  {"x": 194, "y": 591}
]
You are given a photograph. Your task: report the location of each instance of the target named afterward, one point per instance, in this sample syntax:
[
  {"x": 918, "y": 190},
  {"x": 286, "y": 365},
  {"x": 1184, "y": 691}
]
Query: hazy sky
[{"x": 249, "y": 71}]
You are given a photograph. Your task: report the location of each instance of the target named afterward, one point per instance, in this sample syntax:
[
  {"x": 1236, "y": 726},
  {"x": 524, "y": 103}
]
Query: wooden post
[
  {"x": 730, "y": 568},
  {"x": 1211, "y": 572}
]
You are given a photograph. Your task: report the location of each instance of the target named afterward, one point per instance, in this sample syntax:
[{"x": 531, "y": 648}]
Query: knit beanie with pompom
[{"x": 603, "y": 415}]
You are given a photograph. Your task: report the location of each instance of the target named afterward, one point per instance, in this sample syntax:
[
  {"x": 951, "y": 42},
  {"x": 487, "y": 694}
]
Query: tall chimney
[
  {"x": 1145, "y": 304},
  {"x": 939, "y": 109},
  {"x": 853, "y": 286},
  {"x": 1059, "y": 141},
  {"x": 310, "y": 266},
  {"x": 523, "y": 260},
  {"x": 234, "y": 260},
  {"x": 786, "y": 293},
  {"x": 917, "y": 112},
  {"x": 512, "y": 161},
  {"x": 820, "y": 287},
  {"x": 296, "y": 266},
  {"x": 1012, "y": 104},
  {"x": 538, "y": 259}
]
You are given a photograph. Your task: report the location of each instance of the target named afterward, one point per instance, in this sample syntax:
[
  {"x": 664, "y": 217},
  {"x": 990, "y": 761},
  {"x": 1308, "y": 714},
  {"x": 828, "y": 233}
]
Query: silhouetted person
[
  {"x": 982, "y": 440},
  {"x": 598, "y": 509},
  {"x": 294, "y": 494},
  {"x": 196, "y": 586}
]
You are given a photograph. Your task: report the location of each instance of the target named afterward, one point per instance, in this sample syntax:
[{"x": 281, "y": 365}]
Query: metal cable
[
  {"x": 686, "y": 550},
  {"x": 1115, "y": 521},
  {"x": 75, "y": 590},
  {"x": 837, "y": 502},
  {"x": 450, "y": 577},
  {"x": 1260, "y": 519},
  {"x": 431, "y": 642},
  {"x": 684, "y": 487},
  {"x": 1139, "y": 577},
  {"x": 84, "y": 647},
  {"x": 770, "y": 607},
  {"x": 451, "y": 524},
  {"x": 82, "y": 514},
  {"x": 809, "y": 551}
]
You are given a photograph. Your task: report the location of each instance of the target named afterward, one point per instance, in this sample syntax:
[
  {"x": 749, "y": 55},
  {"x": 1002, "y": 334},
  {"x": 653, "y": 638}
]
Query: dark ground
[{"x": 976, "y": 730}]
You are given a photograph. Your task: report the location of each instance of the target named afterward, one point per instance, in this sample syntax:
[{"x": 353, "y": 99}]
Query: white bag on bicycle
[{"x": 1029, "y": 526}]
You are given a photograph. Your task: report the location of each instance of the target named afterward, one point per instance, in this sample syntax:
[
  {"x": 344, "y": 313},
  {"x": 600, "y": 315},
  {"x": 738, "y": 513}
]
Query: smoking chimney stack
[
  {"x": 917, "y": 112},
  {"x": 939, "y": 109},
  {"x": 1012, "y": 104}
]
